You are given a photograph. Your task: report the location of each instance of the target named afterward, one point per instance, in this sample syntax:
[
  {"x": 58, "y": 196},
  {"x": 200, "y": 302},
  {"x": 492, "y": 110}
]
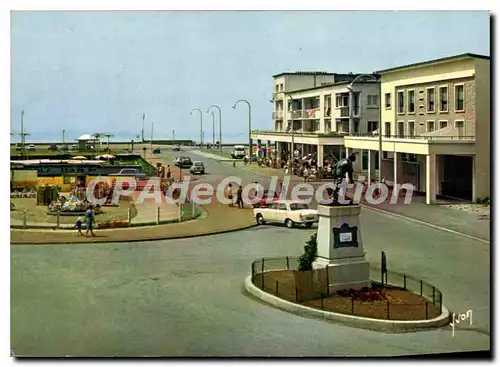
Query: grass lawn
[
  {"x": 48, "y": 153},
  {"x": 39, "y": 213}
]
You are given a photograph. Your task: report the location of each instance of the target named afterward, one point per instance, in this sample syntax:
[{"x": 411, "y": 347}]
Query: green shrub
[
  {"x": 310, "y": 254},
  {"x": 484, "y": 201}
]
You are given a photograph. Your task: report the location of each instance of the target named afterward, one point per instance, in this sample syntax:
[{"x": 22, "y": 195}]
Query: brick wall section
[{"x": 421, "y": 116}]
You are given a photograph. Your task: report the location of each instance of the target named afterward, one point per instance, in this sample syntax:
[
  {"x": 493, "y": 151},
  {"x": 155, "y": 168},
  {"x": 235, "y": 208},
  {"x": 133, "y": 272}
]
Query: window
[
  {"x": 459, "y": 98},
  {"x": 411, "y": 128},
  {"x": 372, "y": 100},
  {"x": 299, "y": 206},
  {"x": 430, "y": 126},
  {"x": 443, "y": 124},
  {"x": 431, "y": 102},
  {"x": 388, "y": 129},
  {"x": 341, "y": 100},
  {"x": 401, "y": 102},
  {"x": 443, "y": 99},
  {"x": 412, "y": 157},
  {"x": 411, "y": 101},
  {"x": 372, "y": 126},
  {"x": 282, "y": 207},
  {"x": 281, "y": 87},
  {"x": 273, "y": 206},
  {"x": 401, "y": 129},
  {"x": 387, "y": 100},
  {"x": 277, "y": 88},
  {"x": 460, "y": 126}
]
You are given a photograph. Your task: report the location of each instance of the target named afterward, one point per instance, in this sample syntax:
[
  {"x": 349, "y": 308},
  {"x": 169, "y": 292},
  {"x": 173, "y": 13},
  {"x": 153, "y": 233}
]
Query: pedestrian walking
[
  {"x": 78, "y": 226},
  {"x": 169, "y": 173},
  {"x": 239, "y": 199},
  {"x": 89, "y": 220},
  {"x": 229, "y": 194},
  {"x": 306, "y": 174}
]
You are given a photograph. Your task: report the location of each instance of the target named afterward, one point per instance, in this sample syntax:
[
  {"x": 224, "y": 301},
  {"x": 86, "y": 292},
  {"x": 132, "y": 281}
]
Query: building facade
[
  {"x": 321, "y": 108},
  {"x": 436, "y": 127}
]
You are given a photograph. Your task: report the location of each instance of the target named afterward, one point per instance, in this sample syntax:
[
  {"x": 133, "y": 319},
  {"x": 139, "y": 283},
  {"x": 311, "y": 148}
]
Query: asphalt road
[{"x": 185, "y": 297}]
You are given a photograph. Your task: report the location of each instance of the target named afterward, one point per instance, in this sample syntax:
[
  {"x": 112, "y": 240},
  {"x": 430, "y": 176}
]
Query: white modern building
[
  {"x": 321, "y": 108},
  {"x": 436, "y": 133}
]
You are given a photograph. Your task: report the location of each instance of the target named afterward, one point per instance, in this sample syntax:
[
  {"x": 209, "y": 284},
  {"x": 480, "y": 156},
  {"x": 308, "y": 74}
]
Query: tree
[
  {"x": 310, "y": 253},
  {"x": 108, "y": 135},
  {"x": 98, "y": 137}
]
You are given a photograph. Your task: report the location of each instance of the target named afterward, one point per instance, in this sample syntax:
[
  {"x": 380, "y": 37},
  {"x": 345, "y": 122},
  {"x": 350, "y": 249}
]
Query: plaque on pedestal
[{"x": 345, "y": 236}]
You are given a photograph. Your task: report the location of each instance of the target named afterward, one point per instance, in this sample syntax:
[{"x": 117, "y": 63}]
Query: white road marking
[{"x": 425, "y": 223}]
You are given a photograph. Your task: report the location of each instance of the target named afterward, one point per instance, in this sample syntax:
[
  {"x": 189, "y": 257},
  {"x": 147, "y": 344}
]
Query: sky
[{"x": 89, "y": 72}]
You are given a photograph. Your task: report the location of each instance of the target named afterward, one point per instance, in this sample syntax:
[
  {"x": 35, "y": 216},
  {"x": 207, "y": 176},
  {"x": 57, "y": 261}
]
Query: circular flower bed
[{"x": 380, "y": 302}]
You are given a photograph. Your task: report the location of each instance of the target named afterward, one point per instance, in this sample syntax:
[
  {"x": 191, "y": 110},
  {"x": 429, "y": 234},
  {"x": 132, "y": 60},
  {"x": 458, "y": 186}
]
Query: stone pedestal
[{"x": 340, "y": 248}]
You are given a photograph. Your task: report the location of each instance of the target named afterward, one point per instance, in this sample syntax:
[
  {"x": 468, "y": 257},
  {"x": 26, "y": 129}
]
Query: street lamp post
[
  {"x": 285, "y": 118},
  {"x": 213, "y": 128},
  {"x": 351, "y": 88},
  {"x": 250, "y": 145},
  {"x": 220, "y": 125},
  {"x": 201, "y": 125},
  {"x": 151, "y": 142},
  {"x": 23, "y": 135},
  {"x": 142, "y": 134}
]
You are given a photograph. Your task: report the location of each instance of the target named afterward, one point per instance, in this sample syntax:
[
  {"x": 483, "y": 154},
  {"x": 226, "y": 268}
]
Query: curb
[
  {"x": 91, "y": 240},
  {"x": 424, "y": 223},
  {"x": 132, "y": 225},
  {"x": 395, "y": 326}
]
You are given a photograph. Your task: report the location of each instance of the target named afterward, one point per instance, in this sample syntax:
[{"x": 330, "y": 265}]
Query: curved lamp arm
[
  {"x": 350, "y": 86},
  {"x": 244, "y": 101}
]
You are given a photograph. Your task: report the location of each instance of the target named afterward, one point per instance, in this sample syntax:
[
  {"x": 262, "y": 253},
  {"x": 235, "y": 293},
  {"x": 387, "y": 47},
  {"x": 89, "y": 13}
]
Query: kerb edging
[{"x": 349, "y": 320}]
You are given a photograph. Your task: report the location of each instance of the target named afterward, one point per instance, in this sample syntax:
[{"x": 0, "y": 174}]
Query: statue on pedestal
[{"x": 340, "y": 170}]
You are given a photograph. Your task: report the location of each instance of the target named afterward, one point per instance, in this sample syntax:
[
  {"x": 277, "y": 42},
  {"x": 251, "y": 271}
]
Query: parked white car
[{"x": 289, "y": 212}]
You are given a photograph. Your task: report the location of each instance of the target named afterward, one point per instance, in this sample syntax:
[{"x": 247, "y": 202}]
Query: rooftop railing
[
  {"x": 414, "y": 137},
  {"x": 299, "y": 133}
]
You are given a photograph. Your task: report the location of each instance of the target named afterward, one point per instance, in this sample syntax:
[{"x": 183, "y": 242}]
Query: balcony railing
[
  {"x": 344, "y": 111},
  {"x": 356, "y": 110},
  {"x": 299, "y": 133},
  {"x": 278, "y": 115},
  {"x": 415, "y": 137},
  {"x": 311, "y": 113}
]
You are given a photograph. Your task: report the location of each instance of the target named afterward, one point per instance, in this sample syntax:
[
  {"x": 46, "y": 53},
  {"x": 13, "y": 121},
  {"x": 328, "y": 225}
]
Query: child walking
[{"x": 78, "y": 226}]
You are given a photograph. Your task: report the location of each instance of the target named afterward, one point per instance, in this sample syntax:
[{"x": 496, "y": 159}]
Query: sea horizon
[{"x": 125, "y": 137}]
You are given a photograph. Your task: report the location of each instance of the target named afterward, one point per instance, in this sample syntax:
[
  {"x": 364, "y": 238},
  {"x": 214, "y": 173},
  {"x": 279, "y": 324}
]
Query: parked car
[
  {"x": 53, "y": 147},
  {"x": 183, "y": 162},
  {"x": 31, "y": 147},
  {"x": 156, "y": 151},
  {"x": 289, "y": 212},
  {"x": 74, "y": 147},
  {"x": 238, "y": 152},
  {"x": 129, "y": 172},
  {"x": 19, "y": 146},
  {"x": 176, "y": 148},
  {"x": 268, "y": 197},
  {"x": 197, "y": 167}
]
